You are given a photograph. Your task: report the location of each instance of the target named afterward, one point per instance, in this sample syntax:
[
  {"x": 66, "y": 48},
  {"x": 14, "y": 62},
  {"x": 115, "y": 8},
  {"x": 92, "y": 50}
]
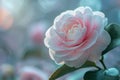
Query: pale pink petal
[
  {"x": 94, "y": 22},
  {"x": 61, "y": 19},
  {"x": 66, "y": 55},
  {"x": 76, "y": 37},
  {"x": 99, "y": 14},
  {"x": 88, "y": 11},
  {"x": 98, "y": 23},
  {"x": 71, "y": 55},
  {"x": 88, "y": 22},
  {"x": 79, "y": 14},
  {"x": 96, "y": 50},
  {"x": 53, "y": 41},
  {"x": 83, "y": 10},
  {"x": 90, "y": 40},
  {"x": 78, "y": 62},
  {"x": 52, "y": 54}
]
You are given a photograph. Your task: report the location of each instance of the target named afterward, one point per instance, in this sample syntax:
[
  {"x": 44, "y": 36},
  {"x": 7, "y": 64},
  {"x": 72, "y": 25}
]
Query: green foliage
[
  {"x": 94, "y": 75},
  {"x": 66, "y": 69},
  {"x": 99, "y": 75},
  {"x": 114, "y": 31},
  {"x": 32, "y": 52},
  {"x": 90, "y": 75}
]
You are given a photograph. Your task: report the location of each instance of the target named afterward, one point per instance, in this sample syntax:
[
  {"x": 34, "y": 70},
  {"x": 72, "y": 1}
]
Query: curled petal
[
  {"x": 78, "y": 62},
  {"x": 96, "y": 50}
]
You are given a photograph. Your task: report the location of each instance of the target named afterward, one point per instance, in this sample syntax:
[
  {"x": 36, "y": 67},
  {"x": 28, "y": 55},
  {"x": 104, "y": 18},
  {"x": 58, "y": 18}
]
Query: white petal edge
[{"x": 101, "y": 44}]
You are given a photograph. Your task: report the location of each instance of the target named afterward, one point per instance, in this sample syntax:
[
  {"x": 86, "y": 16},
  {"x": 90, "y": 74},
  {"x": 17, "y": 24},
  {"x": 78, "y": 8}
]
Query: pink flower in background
[
  {"x": 6, "y": 19},
  {"x": 36, "y": 32},
  {"x": 77, "y": 36},
  {"x": 31, "y": 73}
]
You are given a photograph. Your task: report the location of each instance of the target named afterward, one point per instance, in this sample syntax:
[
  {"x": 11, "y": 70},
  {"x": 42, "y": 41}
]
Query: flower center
[{"x": 74, "y": 31}]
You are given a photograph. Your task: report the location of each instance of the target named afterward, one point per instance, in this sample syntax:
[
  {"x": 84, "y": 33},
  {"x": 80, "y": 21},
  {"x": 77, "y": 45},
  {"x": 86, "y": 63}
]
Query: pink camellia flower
[
  {"x": 6, "y": 19},
  {"x": 36, "y": 32},
  {"x": 30, "y": 73},
  {"x": 77, "y": 36}
]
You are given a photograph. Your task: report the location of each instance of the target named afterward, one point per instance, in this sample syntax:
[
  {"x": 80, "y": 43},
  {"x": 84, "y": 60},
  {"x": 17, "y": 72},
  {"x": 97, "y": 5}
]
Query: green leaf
[
  {"x": 94, "y": 75},
  {"x": 100, "y": 75},
  {"x": 66, "y": 69},
  {"x": 31, "y": 52},
  {"x": 114, "y": 31},
  {"x": 90, "y": 75}
]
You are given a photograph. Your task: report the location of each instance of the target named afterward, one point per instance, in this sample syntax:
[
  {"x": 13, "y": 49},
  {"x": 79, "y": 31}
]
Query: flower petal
[
  {"x": 78, "y": 62},
  {"x": 98, "y": 23},
  {"x": 96, "y": 50},
  {"x": 61, "y": 56},
  {"x": 53, "y": 41},
  {"x": 61, "y": 19},
  {"x": 90, "y": 40}
]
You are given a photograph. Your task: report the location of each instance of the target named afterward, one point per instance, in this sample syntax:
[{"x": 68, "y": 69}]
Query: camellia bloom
[
  {"x": 77, "y": 36},
  {"x": 36, "y": 32},
  {"x": 31, "y": 73},
  {"x": 6, "y": 19}
]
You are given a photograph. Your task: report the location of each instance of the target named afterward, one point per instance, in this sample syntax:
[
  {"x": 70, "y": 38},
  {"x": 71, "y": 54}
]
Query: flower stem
[
  {"x": 102, "y": 62},
  {"x": 98, "y": 67}
]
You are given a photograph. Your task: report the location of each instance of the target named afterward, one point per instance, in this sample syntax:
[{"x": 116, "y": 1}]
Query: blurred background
[{"x": 23, "y": 24}]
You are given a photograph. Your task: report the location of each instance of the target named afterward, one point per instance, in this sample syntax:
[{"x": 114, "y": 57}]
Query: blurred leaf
[
  {"x": 5, "y": 47},
  {"x": 114, "y": 31},
  {"x": 94, "y": 75},
  {"x": 90, "y": 75},
  {"x": 32, "y": 52},
  {"x": 99, "y": 75},
  {"x": 66, "y": 69},
  {"x": 8, "y": 52}
]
